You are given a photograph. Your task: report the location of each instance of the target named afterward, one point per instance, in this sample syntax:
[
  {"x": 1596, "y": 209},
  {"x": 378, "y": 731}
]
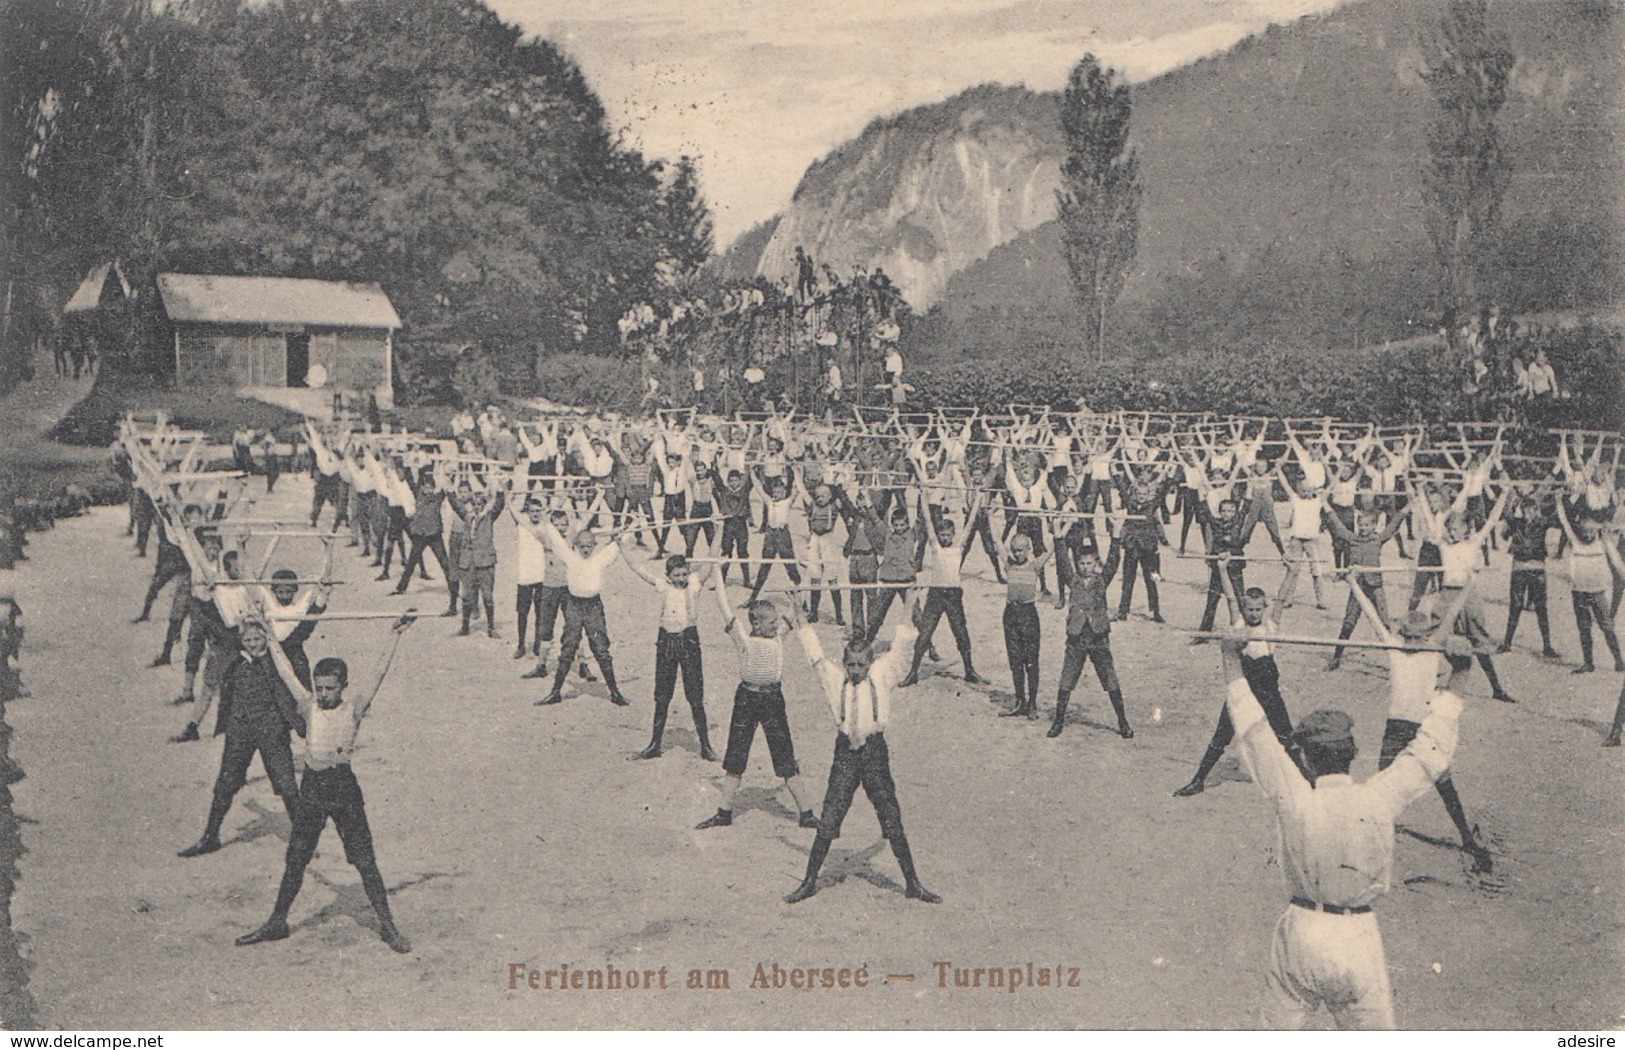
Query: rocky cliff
[
  {"x": 926, "y": 193},
  {"x": 1298, "y": 152}
]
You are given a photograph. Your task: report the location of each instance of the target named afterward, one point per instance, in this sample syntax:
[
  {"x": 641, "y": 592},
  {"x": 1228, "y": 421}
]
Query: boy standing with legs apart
[
  {"x": 584, "y": 567},
  {"x": 677, "y": 648},
  {"x": 1089, "y": 635},
  {"x": 1527, "y": 519},
  {"x": 946, "y": 596},
  {"x": 1263, "y": 678},
  {"x": 859, "y": 695},
  {"x": 1592, "y": 564},
  {"x": 329, "y": 788},
  {"x": 1021, "y": 627},
  {"x": 759, "y": 700}
]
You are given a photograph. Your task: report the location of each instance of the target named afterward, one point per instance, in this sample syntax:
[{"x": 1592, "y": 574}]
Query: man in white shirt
[
  {"x": 859, "y": 694},
  {"x": 1336, "y": 850}
]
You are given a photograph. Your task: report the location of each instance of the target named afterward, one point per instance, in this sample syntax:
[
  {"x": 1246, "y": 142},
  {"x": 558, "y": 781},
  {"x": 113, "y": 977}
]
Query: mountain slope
[{"x": 1281, "y": 184}]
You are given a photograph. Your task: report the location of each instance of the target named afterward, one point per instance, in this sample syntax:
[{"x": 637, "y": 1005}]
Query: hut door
[{"x": 298, "y": 358}]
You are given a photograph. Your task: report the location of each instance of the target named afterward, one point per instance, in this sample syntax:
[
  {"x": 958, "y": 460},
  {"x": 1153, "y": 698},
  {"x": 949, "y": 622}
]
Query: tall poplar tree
[
  {"x": 1468, "y": 67},
  {"x": 1100, "y": 192}
]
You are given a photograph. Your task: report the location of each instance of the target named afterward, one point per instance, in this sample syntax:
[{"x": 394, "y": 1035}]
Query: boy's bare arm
[{"x": 364, "y": 696}]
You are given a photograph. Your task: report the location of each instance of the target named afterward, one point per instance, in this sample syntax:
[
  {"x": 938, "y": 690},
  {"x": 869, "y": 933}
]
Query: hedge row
[{"x": 1412, "y": 385}]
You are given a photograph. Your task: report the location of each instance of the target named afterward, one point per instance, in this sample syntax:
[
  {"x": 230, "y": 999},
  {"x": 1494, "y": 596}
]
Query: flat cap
[{"x": 1324, "y": 728}]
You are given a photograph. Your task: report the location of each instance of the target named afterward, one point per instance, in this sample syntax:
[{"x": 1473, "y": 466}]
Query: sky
[{"x": 756, "y": 90}]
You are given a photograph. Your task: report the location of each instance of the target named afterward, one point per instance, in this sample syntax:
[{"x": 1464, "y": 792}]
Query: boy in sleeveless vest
[{"x": 329, "y": 788}]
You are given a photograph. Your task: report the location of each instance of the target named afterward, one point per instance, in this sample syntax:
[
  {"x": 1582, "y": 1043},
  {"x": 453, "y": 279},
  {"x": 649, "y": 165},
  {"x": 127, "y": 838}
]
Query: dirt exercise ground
[{"x": 513, "y": 834}]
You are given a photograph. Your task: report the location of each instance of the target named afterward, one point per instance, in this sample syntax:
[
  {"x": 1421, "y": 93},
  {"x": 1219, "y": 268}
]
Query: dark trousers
[
  {"x": 1264, "y": 679},
  {"x": 982, "y": 526},
  {"x": 1261, "y": 510},
  {"x": 527, "y": 599},
  {"x": 1021, "y": 644},
  {"x": 324, "y": 794},
  {"x": 1237, "y": 571},
  {"x": 674, "y": 506},
  {"x": 1528, "y": 591},
  {"x": 584, "y": 616},
  {"x": 1147, "y": 560},
  {"x": 378, "y": 528},
  {"x": 1395, "y": 736},
  {"x": 1589, "y": 606},
  {"x": 141, "y": 514},
  {"x": 691, "y": 533},
  {"x": 640, "y": 502},
  {"x": 776, "y": 543},
  {"x": 395, "y": 536},
  {"x": 330, "y": 488},
  {"x": 880, "y": 604},
  {"x": 1371, "y": 584},
  {"x": 276, "y": 755},
  {"x": 870, "y": 766},
  {"x": 736, "y": 544},
  {"x": 1082, "y": 648},
  {"x": 167, "y": 568},
  {"x": 1185, "y": 503},
  {"x": 674, "y": 654},
  {"x": 1095, "y": 492},
  {"x": 1428, "y": 576},
  {"x": 549, "y": 608},
  {"x": 414, "y": 560},
  {"x": 861, "y": 568},
  {"x": 940, "y": 601},
  {"x": 1340, "y": 546},
  {"x": 759, "y": 707}
]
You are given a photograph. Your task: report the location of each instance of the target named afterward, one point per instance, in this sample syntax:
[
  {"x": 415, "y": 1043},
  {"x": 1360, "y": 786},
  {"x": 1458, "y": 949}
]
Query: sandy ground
[{"x": 515, "y": 834}]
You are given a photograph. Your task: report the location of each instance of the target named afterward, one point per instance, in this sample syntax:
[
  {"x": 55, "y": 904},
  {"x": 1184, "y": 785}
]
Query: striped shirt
[
  {"x": 1022, "y": 582},
  {"x": 761, "y": 660}
]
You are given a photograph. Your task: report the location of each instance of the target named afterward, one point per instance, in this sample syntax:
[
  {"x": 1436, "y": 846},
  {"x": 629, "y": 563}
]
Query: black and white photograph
[{"x": 719, "y": 517}]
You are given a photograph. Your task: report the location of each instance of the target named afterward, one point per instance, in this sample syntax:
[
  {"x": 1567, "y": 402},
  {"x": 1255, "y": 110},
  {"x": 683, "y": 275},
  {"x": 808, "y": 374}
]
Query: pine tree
[
  {"x": 686, "y": 221},
  {"x": 1100, "y": 192}
]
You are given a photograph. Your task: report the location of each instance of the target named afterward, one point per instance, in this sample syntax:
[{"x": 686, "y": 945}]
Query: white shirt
[
  {"x": 330, "y": 735},
  {"x": 1259, "y": 646},
  {"x": 276, "y": 611},
  {"x": 1412, "y": 680},
  {"x": 942, "y": 566},
  {"x": 231, "y": 603},
  {"x": 1457, "y": 561},
  {"x": 584, "y": 576},
  {"x": 1305, "y": 517},
  {"x": 530, "y": 555},
  {"x": 1336, "y": 835},
  {"x": 778, "y": 510},
  {"x": 676, "y": 606},
  {"x": 864, "y": 709}
]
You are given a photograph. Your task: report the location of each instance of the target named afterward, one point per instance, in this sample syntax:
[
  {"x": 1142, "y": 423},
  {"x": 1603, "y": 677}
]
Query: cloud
[{"x": 758, "y": 91}]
